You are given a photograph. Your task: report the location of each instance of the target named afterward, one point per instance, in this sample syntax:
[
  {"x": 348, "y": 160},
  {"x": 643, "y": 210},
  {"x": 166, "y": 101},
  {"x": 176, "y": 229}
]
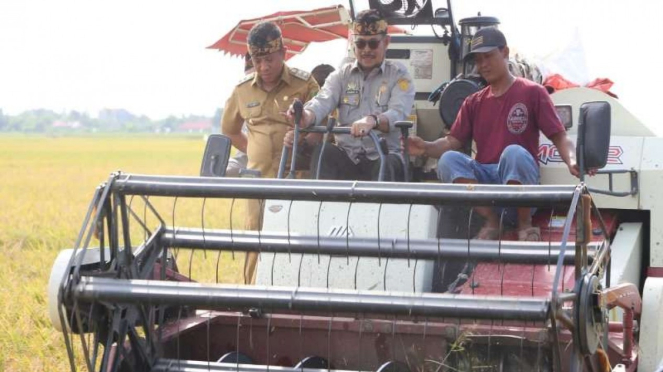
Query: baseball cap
[{"x": 485, "y": 40}]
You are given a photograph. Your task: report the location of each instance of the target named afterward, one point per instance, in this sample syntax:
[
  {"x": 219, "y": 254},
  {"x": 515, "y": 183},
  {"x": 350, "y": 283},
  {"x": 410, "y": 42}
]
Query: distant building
[
  {"x": 200, "y": 126},
  {"x": 66, "y": 124}
]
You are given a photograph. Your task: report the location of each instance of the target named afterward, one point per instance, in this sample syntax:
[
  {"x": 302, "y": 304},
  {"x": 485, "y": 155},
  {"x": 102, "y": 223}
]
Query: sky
[{"x": 150, "y": 56}]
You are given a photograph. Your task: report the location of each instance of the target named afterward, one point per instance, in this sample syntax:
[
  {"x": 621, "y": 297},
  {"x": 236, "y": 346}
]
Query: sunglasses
[{"x": 372, "y": 43}]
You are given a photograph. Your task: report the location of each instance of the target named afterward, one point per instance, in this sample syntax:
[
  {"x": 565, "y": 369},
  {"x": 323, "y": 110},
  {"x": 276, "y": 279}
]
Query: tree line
[{"x": 107, "y": 120}]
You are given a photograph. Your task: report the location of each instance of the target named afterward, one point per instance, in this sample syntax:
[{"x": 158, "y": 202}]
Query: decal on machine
[{"x": 548, "y": 154}]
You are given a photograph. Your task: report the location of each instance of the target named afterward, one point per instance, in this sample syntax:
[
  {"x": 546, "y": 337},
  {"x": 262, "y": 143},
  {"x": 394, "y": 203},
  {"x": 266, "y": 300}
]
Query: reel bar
[
  {"x": 224, "y": 297},
  {"x": 345, "y": 191},
  {"x": 274, "y": 242},
  {"x": 176, "y": 365}
]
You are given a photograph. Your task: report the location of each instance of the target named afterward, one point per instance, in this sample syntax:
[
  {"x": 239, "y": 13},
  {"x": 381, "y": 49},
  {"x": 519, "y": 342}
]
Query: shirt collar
[
  {"x": 285, "y": 76},
  {"x": 355, "y": 66}
]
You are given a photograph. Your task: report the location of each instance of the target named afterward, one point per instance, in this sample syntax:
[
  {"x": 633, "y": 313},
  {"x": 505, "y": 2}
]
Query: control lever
[
  {"x": 298, "y": 107},
  {"x": 331, "y": 123},
  {"x": 405, "y": 126}
]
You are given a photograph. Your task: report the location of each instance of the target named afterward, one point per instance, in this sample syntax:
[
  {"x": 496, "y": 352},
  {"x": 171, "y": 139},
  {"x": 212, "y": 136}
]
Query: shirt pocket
[
  {"x": 349, "y": 103},
  {"x": 252, "y": 110},
  {"x": 382, "y": 97}
]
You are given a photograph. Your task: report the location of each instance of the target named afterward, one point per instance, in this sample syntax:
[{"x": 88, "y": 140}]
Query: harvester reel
[{"x": 380, "y": 312}]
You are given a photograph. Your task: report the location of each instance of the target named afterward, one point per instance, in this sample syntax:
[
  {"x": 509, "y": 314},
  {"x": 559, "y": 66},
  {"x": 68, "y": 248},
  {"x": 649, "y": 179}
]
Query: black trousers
[{"x": 336, "y": 165}]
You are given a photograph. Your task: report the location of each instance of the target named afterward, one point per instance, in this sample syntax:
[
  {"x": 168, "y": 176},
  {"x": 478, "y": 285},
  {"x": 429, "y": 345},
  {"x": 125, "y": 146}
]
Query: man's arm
[
  {"x": 566, "y": 150},
  {"x": 435, "y": 149},
  {"x": 326, "y": 100},
  {"x": 400, "y": 103},
  {"x": 231, "y": 123}
]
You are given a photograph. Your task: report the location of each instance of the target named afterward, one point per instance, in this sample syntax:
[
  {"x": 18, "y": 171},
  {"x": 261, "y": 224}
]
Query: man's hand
[
  {"x": 574, "y": 169},
  {"x": 416, "y": 146},
  {"x": 362, "y": 126},
  {"x": 289, "y": 138},
  {"x": 307, "y": 117}
]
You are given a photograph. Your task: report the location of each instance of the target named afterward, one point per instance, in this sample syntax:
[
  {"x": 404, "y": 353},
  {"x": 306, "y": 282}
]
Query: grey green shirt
[{"x": 387, "y": 90}]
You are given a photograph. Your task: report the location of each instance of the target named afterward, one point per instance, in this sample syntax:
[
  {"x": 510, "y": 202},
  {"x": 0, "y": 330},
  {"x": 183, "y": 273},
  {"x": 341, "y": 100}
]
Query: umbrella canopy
[{"x": 299, "y": 28}]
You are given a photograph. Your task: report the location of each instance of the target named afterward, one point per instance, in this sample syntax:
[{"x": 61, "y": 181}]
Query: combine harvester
[{"x": 377, "y": 276}]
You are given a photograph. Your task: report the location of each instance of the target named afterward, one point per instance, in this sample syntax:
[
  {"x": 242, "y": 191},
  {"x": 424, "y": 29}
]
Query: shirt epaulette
[
  {"x": 247, "y": 77},
  {"x": 301, "y": 74}
]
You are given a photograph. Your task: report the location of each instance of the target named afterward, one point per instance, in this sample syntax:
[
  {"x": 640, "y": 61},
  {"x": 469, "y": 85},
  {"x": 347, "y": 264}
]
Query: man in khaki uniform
[{"x": 261, "y": 99}]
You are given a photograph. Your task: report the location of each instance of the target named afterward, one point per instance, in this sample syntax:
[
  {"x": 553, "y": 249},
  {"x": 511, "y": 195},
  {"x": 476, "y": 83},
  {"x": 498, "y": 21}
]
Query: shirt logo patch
[{"x": 516, "y": 122}]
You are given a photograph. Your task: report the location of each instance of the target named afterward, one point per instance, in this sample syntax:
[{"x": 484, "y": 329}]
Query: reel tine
[
  {"x": 552, "y": 213},
  {"x": 176, "y": 250},
  {"x": 361, "y": 333},
  {"x": 146, "y": 235},
  {"x": 469, "y": 237},
  {"x": 538, "y": 352},
  {"x": 533, "y": 274},
  {"x": 216, "y": 272},
  {"x": 501, "y": 268},
  {"x": 239, "y": 322},
  {"x": 261, "y": 205},
  {"x": 329, "y": 269},
  {"x": 356, "y": 271},
  {"x": 329, "y": 345},
  {"x": 271, "y": 279},
  {"x": 301, "y": 339},
  {"x": 522, "y": 343},
  {"x": 79, "y": 321},
  {"x": 299, "y": 272},
  {"x": 490, "y": 335},
  {"x": 386, "y": 266},
  {"x": 379, "y": 239},
  {"x": 393, "y": 338},
  {"x": 414, "y": 276},
  {"x": 347, "y": 234},
  {"x": 209, "y": 357},
  {"x": 202, "y": 226},
  {"x": 232, "y": 235},
  {"x": 179, "y": 322},
  {"x": 190, "y": 262},
  {"x": 288, "y": 226},
  {"x": 269, "y": 327},
  {"x": 318, "y": 223},
  {"x": 409, "y": 214}
]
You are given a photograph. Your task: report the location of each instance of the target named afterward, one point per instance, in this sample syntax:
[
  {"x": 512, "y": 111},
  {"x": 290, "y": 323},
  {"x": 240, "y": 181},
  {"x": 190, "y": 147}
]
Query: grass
[{"x": 45, "y": 187}]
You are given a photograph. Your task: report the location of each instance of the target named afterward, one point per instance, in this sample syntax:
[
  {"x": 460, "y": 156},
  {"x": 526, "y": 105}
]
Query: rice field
[{"x": 45, "y": 187}]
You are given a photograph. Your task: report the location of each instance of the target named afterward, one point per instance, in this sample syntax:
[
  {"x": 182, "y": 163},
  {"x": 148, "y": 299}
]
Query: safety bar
[
  {"x": 459, "y": 249},
  {"x": 226, "y": 297},
  {"x": 345, "y": 191}
]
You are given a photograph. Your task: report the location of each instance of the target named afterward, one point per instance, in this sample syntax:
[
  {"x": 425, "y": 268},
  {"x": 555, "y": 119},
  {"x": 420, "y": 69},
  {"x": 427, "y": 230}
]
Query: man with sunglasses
[
  {"x": 260, "y": 100},
  {"x": 370, "y": 94},
  {"x": 504, "y": 120}
]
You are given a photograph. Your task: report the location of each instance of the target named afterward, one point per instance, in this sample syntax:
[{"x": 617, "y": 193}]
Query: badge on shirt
[
  {"x": 404, "y": 84},
  {"x": 351, "y": 99},
  {"x": 381, "y": 92},
  {"x": 352, "y": 88},
  {"x": 253, "y": 104}
]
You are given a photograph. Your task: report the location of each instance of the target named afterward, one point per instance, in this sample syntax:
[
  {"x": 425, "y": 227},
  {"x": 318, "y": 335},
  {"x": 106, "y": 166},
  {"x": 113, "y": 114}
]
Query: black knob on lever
[
  {"x": 298, "y": 107},
  {"x": 405, "y": 126}
]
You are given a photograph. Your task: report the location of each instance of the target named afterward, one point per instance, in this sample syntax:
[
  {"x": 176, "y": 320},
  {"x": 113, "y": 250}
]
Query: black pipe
[
  {"x": 347, "y": 191},
  {"x": 274, "y": 242},
  {"x": 226, "y": 297}
]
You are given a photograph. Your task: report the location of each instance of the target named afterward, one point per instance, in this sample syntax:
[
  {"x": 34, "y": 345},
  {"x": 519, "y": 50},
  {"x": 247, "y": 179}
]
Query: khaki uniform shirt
[
  {"x": 386, "y": 90},
  {"x": 262, "y": 112}
]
